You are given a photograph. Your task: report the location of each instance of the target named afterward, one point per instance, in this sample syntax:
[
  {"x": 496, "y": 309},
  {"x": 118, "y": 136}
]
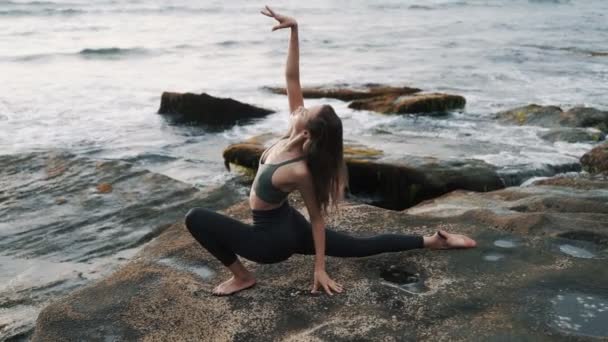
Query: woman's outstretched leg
[{"x": 340, "y": 244}]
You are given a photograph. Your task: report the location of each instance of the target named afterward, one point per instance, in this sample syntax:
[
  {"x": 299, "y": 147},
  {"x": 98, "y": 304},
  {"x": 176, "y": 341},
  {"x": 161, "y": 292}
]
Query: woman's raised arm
[{"x": 292, "y": 68}]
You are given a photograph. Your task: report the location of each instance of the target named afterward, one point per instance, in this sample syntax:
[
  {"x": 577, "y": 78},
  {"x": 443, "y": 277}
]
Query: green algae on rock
[
  {"x": 207, "y": 109},
  {"x": 394, "y": 183},
  {"x": 528, "y": 292},
  {"x": 553, "y": 116},
  {"x": 384, "y": 98},
  {"x": 348, "y": 93}
]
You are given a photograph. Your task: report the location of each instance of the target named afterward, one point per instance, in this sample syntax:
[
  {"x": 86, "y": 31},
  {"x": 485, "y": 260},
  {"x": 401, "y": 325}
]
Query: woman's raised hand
[{"x": 284, "y": 21}]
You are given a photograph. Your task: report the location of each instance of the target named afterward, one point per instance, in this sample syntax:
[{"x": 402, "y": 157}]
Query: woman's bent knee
[{"x": 194, "y": 216}]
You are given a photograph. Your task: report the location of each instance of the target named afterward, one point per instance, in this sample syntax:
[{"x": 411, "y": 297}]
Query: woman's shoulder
[{"x": 301, "y": 171}]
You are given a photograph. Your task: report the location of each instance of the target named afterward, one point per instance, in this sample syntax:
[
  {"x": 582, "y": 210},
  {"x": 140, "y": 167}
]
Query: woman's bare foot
[
  {"x": 444, "y": 240},
  {"x": 233, "y": 285}
]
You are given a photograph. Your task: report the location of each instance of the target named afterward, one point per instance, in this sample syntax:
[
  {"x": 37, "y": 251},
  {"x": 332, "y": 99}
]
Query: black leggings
[{"x": 278, "y": 233}]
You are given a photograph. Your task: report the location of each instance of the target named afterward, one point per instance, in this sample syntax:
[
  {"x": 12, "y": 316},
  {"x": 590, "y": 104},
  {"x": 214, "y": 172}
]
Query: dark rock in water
[
  {"x": 207, "y": 109},
  {"x": 596, "y": 160},
  {"x": 394, "y": 183},
  {"x": 244, "y": 154},
  {"x": 400, "y": 184},
  {"x": 411, "y": 104},
  {"x": 349, "y": 93},
  {"x": 531, "y": 292},
  {"x": 573, "y": 135},
  {"x": 532, "y": 114},
  {"x": 553, "y": 116},
  {"x": 599, "y": 54}
]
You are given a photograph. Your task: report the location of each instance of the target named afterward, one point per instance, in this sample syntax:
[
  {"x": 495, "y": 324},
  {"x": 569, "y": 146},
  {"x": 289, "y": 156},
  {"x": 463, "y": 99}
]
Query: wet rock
[
  {"x": 58, "y": 232},
  {"x": 596, "y": 160},
  {"x": 411, "y": 104},
  {"x": 599, "y": 54},
  {"x": 384, "y": 99},
  {"x": 389, "y": 182},
  {"x": 573, "y": 135},
  {"x": 207, "y": 109},
  {"x": 553, "y": 116},
  {"x": 530, "y": 291},
  {"x": 349, "y": 93},
  {"x": 582, "y": 181},
  {"x": 559, "y": 209}
]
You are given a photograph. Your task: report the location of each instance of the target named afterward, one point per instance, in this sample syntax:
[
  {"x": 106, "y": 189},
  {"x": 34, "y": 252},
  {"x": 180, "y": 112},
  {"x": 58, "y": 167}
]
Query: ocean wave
[
  {"x": 20, "y": 11},
  {"x": 41, "y": 12},
  {"x": 573, "y": 49},
  {"x": 110, "y": 53},
  {"x": 29, "y": 3},
  {"x": 550, "y": 1},
  {"x": 420, "y": 7},
  {"x": 113, "y": 51},
  {"x": 227, "y": 43}
]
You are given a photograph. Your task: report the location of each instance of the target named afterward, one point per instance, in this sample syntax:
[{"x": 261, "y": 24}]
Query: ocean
[{"x": 82, "y": 80}]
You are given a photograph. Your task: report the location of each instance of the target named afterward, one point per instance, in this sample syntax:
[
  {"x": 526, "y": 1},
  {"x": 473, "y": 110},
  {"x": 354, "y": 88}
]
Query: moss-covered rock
[
  {"x": 596, "y": 160},
  {"x": 388, "y": 182},
  {"x": 348, "y": 93},
  {"x": 384, "y": 98},
  {"x": 411, "y": 104},
  {"x": 538, "y": 274},
  {"x": 207, "y": 109},
  {"x": 553, "y": 116}
]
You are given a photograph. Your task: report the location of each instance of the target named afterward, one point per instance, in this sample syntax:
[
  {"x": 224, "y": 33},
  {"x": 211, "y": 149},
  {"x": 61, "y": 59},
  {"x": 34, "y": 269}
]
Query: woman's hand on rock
[
  {"x": 284, "y": 21},
  {"x": 323, "y": 282}
]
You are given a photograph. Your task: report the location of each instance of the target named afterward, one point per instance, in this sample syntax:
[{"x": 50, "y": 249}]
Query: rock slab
[{"x": 538, "y": 274}]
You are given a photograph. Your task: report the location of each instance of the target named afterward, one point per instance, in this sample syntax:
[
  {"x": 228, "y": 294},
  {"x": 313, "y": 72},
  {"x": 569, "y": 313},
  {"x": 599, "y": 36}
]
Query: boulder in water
[
  {"x": 553, "y": 116},
  {"x": 348, "y": 93},
  {"x": 384, "y": 98},
  {"x": 411, "y": 104},
  {"x": 390, "y": 182},
  {"x": 596, "y": 160},
  {"x": 573, "y": 135},
  {"x": 207, "y": 109}
]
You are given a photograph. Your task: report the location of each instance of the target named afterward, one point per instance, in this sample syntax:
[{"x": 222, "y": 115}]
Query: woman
[{"x": 308, "y": 159}]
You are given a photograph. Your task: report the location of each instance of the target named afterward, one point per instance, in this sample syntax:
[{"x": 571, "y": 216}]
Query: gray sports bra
[{"x": 262, "y": 184}]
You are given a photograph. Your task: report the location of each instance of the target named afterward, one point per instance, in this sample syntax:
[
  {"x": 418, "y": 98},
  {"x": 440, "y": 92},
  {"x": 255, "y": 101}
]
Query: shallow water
[
  {"x": 580, "y": 313},
  {"x": 493, "y": 256},
  {"x": 503, "y": 243},
  {"x": 403, "y": 280},
  {"x": 576, "y": 252},
  {"x": 201, "y": 271}
]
